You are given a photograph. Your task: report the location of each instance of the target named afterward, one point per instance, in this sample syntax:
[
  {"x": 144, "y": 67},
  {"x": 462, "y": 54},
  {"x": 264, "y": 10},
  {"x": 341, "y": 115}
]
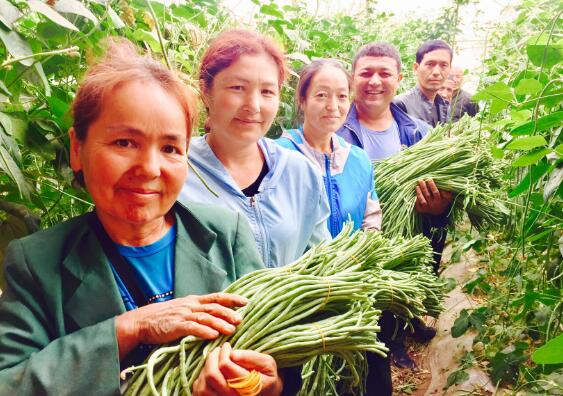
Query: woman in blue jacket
[
  {"x": 323, "y": 98},
  {"x": 280, "y": 193}
]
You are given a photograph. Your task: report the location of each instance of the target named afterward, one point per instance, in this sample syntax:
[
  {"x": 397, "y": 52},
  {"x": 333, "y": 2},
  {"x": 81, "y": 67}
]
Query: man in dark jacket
[
  {"x": 382, "y": 129},
  {"x": 432, "y": 67},
  {"x": 460, "y": 102}
]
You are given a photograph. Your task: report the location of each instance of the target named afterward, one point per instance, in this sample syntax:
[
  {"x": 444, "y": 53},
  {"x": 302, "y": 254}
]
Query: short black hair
[
  {"x": 308, "y": 72},
  {"x": 378, "y": 50},
  {"x": 432, "y": 45}
]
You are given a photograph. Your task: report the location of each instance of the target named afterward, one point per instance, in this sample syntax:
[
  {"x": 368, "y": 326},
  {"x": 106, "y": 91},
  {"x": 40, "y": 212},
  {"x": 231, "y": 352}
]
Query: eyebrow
[
  {"x": 137, "y": 132},
  {"x": 247, "y": 81}
]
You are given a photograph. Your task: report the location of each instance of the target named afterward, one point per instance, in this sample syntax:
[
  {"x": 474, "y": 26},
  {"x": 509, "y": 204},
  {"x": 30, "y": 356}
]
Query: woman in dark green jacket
[{"x": 87, "y": 297}]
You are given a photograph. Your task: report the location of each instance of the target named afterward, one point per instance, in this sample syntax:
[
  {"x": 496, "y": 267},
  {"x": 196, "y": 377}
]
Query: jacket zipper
[
  {"x": 261, "y": 230},
  {"x": 328, "y": 187}
]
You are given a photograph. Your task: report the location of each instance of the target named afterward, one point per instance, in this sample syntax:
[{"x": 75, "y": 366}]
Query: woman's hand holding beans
[
  {"x": 205, "y": 316},
  {"x": 224, "y": 363}
]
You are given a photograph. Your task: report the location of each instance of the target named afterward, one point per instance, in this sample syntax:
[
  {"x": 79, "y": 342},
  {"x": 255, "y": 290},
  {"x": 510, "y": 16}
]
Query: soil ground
[{"x": 437, "y": 360}]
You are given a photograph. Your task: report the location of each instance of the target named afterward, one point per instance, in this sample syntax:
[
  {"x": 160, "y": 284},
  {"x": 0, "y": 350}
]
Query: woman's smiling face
[
  {"x": 244, "y": 99},
  {"x": 134, "y": 155}
]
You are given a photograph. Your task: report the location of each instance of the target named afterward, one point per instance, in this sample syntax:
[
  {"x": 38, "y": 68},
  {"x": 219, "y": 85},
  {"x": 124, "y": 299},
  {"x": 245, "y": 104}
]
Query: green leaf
[
  {"x": 17, "y": 46},
  {"x": 51, "y": 14},
  {"x": 39, "y": 70},
  {"x": 457, "y": 377},
  {"x": 497, "y": 152},
  {"x": 150, "y": 38},
  {"x": 272, "y": 10},
  {"x": 4, "y": 89},
  {"x": 559, "y": 150},
  {"x": 9, "y": 166},
  {"x": 550, "y": 353},
  {"x": 528, "y": 86},
  {"x": 500, "y": 95},
  {"x": 8, "y": 13},
  {"x": 543, "y": 123},
  {"x": 536, "y": 173},
  {"x": 527, "y": 143},
  {"x": 540, "y": 52},
  {"x": 76, "y": 8},
  {"x": 530, "y": 158},
  {"x": 115, "y": 19},
  {"x": 505, "y": 365},
  {"x": 553, "y": 183},
  {"x": 461, "y": 324}
]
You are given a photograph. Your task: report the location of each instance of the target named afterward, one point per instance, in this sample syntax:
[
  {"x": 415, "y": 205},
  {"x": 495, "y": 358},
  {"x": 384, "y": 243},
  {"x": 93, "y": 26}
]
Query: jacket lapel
[
  {"x": 90, "y": 292},
  {"x": 194, "y": 273}
]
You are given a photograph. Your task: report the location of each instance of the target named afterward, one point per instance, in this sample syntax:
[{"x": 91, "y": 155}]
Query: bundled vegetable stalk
[
  {"x": 325, "y": 302},
  {"x": 462, "y": 164}
]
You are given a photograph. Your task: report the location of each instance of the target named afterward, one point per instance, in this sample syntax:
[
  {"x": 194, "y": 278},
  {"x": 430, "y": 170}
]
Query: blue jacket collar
[{"x": 408, "y": 128}]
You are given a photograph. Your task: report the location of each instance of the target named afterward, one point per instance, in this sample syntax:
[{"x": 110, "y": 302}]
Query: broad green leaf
[
  {"x": 4, "y": 89},
  {"x": 8, "y": 13},
  {"x": 51, "y": 14},
  {"x": 536, "y": 173},
  {"x": 540, "y": 52},
  {"x": 543, "y": 123},
  {"x": 19, "y": 129},
  {"x": 559, "y": 150},
  {"x": 461, "y": 324},
  {"x": 115, "y": 19},
  {"x": 500, "y": 95},
  {"x": 530, "y": 158},
  {"x": 41, "y": 74},
  {"x": 528, "y": 86},
  {"x": 553, "y": 183},
  {"x": 504, "y": 365},
  {"x": 497, "y": 152},
  {"x": 9, "y": 166},
  {"x": 6, "y": 123},
  {"x": 527, "y": 143},
  {"x": 272, "y": 10},
  {"x": 550, "y": 353},
  {"x": 150, "y": 38},
  {"x": 75, "y": 7},
  {"x": 17, "y": 46},
  {"x": 457, "y": 377}
]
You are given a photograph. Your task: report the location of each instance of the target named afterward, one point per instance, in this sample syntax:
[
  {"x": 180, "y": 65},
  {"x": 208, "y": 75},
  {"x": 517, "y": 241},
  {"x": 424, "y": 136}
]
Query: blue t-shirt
[
  {"x": 382, "y": 144},
  {"x": 153, "y": 268}
]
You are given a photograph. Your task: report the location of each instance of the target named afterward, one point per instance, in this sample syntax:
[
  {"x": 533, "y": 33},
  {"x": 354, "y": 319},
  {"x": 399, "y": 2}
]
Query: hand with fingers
[
  {"x": 205, "y": 316},
  {"x": 431, "y": 200},
  {"x": 225, "y": 363}
]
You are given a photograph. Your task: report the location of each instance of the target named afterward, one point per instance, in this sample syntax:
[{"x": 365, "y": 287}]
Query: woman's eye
[
  {"x": 321, "y": 95},
  {"x": 268, "y": 92},
  {"x": 169, "y": 149},
  {"x": 123, "y": 143},
  {"x": 236, "y": 87},
  {"x": 343, "y": 96}
]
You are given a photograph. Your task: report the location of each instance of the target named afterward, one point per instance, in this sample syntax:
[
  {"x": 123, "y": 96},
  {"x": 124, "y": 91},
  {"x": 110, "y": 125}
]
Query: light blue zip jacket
[
  {"x": 348, "y": 178},
  {"x": 287, "y": 215}
]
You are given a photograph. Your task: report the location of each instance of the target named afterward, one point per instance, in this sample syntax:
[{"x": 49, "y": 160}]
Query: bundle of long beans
[
  {"x": 325, "y": 302},
  {"x": 462, "y": 164}
]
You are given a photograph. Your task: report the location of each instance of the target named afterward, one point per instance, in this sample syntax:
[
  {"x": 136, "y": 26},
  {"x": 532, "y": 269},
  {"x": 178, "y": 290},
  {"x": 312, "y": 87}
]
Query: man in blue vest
[{"x": 382, "y": 129}]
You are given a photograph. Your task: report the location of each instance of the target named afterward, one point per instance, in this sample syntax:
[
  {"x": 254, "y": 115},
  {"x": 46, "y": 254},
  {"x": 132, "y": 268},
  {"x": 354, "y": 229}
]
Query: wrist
[{"x": 127, "y": 334}]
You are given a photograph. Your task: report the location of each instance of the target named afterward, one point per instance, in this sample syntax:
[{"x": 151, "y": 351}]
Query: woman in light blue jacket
[
  {"x": 323, "y": 97},
  {"x": 279, "y": 191}
]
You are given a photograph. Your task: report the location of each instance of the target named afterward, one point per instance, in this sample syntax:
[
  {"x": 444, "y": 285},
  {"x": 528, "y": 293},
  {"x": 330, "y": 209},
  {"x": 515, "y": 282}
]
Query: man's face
[
  {"x": 456, "y": 75},
  {"x": 433, "y": 69},
  {"x": 375, "y": 83},
  {"x": 447, "y": 91}
]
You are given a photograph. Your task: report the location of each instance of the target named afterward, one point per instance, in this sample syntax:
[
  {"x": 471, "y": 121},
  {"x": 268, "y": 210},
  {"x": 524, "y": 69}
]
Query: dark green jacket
[{"x": 57, "y": 314}]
